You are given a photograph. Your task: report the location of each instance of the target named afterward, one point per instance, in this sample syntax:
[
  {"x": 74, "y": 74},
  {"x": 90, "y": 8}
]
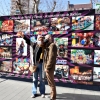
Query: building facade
[{"x": 71, "y": 7}]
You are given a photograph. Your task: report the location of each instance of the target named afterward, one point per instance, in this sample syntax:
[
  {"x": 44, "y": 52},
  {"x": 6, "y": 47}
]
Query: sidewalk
[{"x": 19, "y": 90}]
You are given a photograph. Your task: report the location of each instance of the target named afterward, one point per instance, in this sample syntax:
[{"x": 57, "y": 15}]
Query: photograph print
[
  {"x": 6, "y": 40},
  {"x": 83, "y": 23},
  {"x": 40, "y": 25},
  {"x": 22, "y": 26},
  {"x": 81, "y": 56},
  {"x": 5, "y": 53},
  {"x": 81, "y": 73},
  {"x": 60, "y": 24},
  {"x": 97, "y": 22},
  {"x": 61, "y": 71},
  {"x": 97, "y": 57},
  {"x": 6, "y": 26},
  {"x": 61, "y": 44},
  {"x": 97, "y": 40},
  {"x": 82, "y": 39},
  {"x": 21, "y": 66},
  {"x": 96, "y": 74},
  {"x": 6, "y": 66},
  {"x": 21, "y": 47}
]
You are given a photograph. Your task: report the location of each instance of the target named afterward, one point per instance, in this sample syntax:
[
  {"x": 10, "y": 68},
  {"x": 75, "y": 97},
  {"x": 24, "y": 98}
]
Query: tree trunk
[{"x": 36, "y": 5}]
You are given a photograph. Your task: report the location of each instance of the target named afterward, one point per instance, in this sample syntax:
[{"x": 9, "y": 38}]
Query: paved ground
[{"x": 20, "y": 90}]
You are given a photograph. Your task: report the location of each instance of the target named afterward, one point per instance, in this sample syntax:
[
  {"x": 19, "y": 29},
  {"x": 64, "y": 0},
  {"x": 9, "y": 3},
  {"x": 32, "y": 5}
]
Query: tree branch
[
  {"x": 54, "y": 6},
  {"x": 36, "y": 5},
  {"x": 19, "y": 5}
]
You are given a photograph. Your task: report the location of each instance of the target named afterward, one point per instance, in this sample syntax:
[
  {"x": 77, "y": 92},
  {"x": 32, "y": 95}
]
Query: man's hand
[
  {"x": 20, "y": 34},
  {"x": 46, "y": 70}
]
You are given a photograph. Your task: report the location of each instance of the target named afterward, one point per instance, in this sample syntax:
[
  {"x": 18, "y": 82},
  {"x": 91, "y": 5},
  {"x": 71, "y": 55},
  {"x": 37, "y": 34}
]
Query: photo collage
[
  {"x": 77, "y": 39},
  {"x": 12, "y": 46},
  {"x": 85, "y": 49}
]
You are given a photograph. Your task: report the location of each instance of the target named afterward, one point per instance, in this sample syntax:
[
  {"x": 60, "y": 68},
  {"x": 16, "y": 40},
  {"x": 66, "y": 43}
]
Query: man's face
[
  {"x": 49, "y": 38},
  {"x": 40, "y": 39}
]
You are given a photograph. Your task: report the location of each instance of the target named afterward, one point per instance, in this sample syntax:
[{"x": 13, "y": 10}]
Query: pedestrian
[
  {"x": 38, "y": 61},
  {"x": 50, "y": 55}
]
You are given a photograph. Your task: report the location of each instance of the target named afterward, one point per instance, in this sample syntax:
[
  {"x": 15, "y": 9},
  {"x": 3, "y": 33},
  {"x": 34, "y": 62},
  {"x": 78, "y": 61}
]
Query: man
[
  {"x": 38, "y": 61},
  {"x": 50, "y": 55}
]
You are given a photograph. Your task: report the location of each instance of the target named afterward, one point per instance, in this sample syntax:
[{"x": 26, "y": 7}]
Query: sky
[{"x": 5, "y": 5}]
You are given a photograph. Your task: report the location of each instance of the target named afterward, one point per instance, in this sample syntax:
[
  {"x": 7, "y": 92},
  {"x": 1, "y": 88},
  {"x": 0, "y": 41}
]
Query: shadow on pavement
[
  {"x": 79, "y": 86},
  {"x": 69, "y": 96},
  {"x": 60, "y": 84}
]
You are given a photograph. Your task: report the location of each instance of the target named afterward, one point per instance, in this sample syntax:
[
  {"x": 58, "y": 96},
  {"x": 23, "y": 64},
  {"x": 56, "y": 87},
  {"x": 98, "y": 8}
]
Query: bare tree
[
  {"x": 53, "y": 5},
  {"x": 47, "y": 6}
]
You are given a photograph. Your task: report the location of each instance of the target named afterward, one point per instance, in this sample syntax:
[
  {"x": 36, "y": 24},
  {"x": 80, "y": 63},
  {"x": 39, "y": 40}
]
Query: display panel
[{"x": 75, "y": 33}]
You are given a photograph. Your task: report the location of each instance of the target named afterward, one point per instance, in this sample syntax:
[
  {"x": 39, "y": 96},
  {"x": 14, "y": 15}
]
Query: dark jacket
[{"x": 36, "y": 50}]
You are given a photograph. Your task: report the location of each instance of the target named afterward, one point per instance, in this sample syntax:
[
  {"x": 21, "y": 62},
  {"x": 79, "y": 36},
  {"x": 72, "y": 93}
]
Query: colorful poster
[{"x": 75, "y": 33}]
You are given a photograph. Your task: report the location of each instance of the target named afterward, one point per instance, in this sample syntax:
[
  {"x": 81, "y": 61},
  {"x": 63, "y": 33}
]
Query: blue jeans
[{"x": 35, "y": 80}]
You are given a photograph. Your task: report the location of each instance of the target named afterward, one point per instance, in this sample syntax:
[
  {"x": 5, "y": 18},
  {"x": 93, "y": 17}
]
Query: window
[{"x": 17, "y": 11}]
